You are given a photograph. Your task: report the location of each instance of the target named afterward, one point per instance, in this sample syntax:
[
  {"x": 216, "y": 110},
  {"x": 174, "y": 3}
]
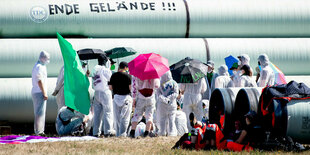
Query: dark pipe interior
[
  {"x": 216, "y": 107},
  {"x": 242, "y": 106}
]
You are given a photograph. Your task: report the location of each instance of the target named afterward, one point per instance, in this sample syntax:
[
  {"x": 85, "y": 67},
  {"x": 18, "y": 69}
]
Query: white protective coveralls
[
  {"x": 181, "y": 122},
  {"x": 144, "y": 104},
  {"x": 122, "y": 111},
  {"x": 235, "y": 79},
  {"x": 192, "y": 99},
  {"x": 103, "y": 104},
  {"x": 223, "y": 80},
  {"x": 69, "y": 122},
  {"x": 244, "y": 60},
  {"x": 210, "y": 86},
  {"x": 267, "y": 76},
  {"x": 39, "y": 73},
  {"x": 59, "y": 90},
  {"x": 167, "y": 105},
  {"x": 247, "y": 81}
]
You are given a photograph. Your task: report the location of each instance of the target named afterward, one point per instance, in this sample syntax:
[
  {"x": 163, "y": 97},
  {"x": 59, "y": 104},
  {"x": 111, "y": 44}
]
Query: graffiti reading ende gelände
[{"x": 68, "y": 9}]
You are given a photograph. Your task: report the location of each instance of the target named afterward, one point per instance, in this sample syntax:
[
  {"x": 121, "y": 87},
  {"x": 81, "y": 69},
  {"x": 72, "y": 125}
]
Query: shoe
[
  {"x": 152, "y": 134},
  {"x": 132, "y": 134},
  {"x": 109, "y": 135}
]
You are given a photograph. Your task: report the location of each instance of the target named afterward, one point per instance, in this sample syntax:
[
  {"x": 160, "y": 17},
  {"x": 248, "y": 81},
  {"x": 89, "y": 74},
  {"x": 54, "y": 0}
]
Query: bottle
[{"x": 189, "y": 136}]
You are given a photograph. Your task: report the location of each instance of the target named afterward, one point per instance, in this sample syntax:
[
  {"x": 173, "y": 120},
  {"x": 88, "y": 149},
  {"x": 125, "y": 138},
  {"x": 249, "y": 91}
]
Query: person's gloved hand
[{"x": 164, "y": 99}]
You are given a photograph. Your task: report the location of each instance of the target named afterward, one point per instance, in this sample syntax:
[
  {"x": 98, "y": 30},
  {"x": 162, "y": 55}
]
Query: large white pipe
[
  {"x": 17, "y": 56},
  {"x": 16, "y": 102},
  {"x": 166, "y": 18}
]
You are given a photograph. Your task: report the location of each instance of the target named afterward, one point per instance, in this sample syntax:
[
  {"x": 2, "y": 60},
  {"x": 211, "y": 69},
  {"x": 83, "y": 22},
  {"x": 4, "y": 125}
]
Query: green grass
[{"x": 115, "y": 146}]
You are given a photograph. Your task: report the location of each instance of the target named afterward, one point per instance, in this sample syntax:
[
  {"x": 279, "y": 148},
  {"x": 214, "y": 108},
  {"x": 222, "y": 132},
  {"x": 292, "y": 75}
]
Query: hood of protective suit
[
  {"x": 166, "y": 77},
  {"x": 44, "y": 57},
  {"x": 245, "y": 59},
  {"x": 264, "y": 60},
  {"x": 223, "y": 70}
]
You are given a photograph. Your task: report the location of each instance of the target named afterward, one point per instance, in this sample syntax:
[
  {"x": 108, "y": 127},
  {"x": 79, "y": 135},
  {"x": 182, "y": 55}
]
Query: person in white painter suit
[
  {"x": 59, "y": 89},
  {"x": 210, "y": 80},
  {"x": 39, "y": 92},
  {"x": 143, "y": 94},
  {"x": 120, "y": 84},
  {"x": 103, "y": 104},
  {"x": 246, "y": 79},
  {"x": 167, "y": 106},
  {"x": 223, "y": 80},
  {"x": 267, "y": 76},
  {"x": 244, "y": 59},
  {"x": 192, "y": 99}
]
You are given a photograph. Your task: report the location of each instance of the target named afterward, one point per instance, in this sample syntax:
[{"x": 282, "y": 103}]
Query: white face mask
[
  {"x": 235, "y": 72},
  {"x": 210, "y": 71},
  {"x": 46, "y": 62}
]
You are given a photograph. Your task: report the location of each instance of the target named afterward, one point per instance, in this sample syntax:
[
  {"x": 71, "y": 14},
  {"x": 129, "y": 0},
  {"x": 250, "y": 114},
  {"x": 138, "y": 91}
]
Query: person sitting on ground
[
  {"x": 193, "y": 139},
  {"x": 70, "y": 122},
  {"x": 180, "y": 121},
  {"x": 250, "y": 137},
  {"x": 214, "y": 138},
  {"x": 238, "y": 129}
]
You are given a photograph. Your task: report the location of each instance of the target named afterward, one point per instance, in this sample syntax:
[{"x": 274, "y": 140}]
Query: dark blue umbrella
[{"x": 230, "y": 60}]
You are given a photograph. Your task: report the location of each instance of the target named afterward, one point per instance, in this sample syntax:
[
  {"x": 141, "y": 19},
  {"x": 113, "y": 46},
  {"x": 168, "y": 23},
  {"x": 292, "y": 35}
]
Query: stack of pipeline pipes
[{"x": 142, "y": 18}]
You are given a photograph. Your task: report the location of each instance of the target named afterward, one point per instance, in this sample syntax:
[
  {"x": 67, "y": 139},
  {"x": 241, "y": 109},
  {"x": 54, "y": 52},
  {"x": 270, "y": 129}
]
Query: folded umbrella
[
  {"x": 188, "y": 70},
  {"x": 148, "y": 66}
]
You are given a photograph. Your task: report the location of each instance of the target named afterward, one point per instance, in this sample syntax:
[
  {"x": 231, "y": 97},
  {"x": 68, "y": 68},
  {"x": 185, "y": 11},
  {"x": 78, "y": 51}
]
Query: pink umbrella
[{"x": 148, "y": 66}]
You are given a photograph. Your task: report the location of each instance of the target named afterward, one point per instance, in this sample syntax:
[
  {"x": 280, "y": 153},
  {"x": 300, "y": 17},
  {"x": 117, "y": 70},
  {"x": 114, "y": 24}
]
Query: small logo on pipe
[{"x": 38, "y": 14}]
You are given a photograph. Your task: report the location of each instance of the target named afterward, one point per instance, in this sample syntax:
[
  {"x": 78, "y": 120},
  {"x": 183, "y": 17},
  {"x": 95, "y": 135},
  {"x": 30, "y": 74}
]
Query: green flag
[{"x": 76, "y": 82}]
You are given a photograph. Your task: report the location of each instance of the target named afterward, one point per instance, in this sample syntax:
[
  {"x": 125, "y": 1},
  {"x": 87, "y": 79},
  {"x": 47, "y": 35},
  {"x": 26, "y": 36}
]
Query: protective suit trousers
[
  {"x": 60, "y": 98},
  {"x": 146, "y": 106},
  {"x": 103, "y": 112},
  {"x": 70, "y": 128},
  {"x": 192, "y": 104},
  {"x": 39, "y": 106},
  {"x": 122, "y": 113},
  {"x": 166, "y": 114}
]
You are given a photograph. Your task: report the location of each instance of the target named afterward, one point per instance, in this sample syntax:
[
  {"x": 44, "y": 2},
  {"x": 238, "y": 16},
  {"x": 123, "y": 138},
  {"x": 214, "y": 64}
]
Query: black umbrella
[
  {"x": 188, "y": 70},
  {"x": 89, "y": 53}
]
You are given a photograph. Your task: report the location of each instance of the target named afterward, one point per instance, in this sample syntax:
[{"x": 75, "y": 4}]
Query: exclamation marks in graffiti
[{"x": 169, "y": 6}]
